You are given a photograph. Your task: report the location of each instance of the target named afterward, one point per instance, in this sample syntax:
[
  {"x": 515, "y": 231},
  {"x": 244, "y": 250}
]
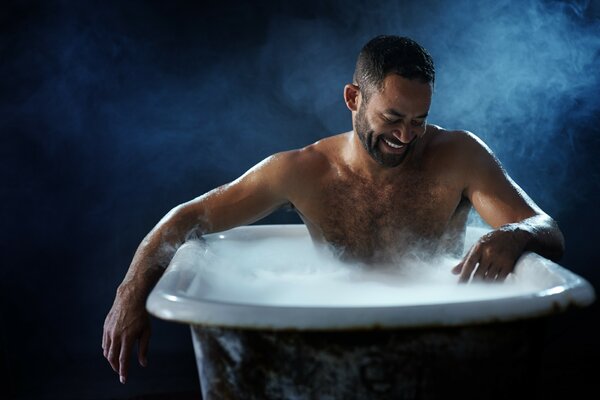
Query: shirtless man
[{"x": 392, "y": 183}]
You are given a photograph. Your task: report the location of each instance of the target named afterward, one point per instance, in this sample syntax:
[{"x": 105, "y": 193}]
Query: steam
[
  {"x": 114, "y": 112},
  {"x": 88, "y": 84},
  {"x": 290, "y": 271},
  {"x": 522, "y": 76}
]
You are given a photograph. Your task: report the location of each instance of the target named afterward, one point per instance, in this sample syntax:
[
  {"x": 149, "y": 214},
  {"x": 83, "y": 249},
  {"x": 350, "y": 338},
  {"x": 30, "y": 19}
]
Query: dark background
[{"x": 114, "y": 112}]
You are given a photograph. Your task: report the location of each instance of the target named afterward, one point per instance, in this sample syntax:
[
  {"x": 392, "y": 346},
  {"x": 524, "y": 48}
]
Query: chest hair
[{"x": 377, "y": 223}]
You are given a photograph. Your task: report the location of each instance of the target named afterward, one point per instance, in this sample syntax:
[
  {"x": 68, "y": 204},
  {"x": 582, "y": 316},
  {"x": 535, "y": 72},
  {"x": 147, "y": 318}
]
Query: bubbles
[{"x": 291, "y": 271}]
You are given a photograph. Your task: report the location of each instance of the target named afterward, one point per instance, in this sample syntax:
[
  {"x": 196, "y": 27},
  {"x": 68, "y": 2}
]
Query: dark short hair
[{"x": 386, "y": 54}]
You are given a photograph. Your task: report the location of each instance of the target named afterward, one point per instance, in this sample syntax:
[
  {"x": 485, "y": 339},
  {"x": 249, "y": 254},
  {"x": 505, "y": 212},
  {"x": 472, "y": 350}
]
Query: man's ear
[{"x": 351, "y": 96}]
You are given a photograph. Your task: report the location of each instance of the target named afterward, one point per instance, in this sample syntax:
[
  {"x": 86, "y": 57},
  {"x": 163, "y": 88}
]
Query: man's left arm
[{"x": 519, "y": 224}]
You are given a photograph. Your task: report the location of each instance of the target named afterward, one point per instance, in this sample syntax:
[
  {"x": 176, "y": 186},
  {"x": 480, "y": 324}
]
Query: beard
[{"x": 370, "y": 142}]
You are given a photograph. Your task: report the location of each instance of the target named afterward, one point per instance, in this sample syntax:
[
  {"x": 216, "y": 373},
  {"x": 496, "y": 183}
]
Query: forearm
[
  {"x": 539, "y": 234},
  {"x": 157, "y": 249}
]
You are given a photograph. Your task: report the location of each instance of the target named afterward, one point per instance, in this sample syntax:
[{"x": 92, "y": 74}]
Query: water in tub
[{"x": 291, "y": 271}]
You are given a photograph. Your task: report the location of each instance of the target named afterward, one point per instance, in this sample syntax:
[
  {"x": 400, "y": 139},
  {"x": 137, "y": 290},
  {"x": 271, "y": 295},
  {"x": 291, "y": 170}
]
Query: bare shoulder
[
  {"x": 314, "y": 156},
  {"x": 460, "y": 145},
  {"x": 440, "y": 135},
  {"x": 301, "y": 165}
]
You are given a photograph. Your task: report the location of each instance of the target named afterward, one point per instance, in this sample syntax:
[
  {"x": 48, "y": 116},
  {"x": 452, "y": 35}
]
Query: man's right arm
[{"x": 254, "y": 195}]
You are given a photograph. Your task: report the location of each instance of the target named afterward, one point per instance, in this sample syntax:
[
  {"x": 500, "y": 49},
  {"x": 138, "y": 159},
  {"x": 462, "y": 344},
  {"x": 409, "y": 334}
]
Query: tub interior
[{"x": 272, "y": 276}]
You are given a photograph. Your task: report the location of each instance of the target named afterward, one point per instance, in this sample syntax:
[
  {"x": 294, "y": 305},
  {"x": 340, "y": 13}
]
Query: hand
[
  {"x": 126, "y": 323},
  {"x": 493, "y": 257}
]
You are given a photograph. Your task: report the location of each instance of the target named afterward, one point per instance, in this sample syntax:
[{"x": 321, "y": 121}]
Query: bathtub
[{"x": 475, "y": 347}]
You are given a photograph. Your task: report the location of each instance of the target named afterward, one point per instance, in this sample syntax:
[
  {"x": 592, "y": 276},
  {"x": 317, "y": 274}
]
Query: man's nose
[{"x": 404, "y": 133}]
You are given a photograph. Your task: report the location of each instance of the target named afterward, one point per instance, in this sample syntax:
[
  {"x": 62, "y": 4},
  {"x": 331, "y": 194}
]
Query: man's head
[
  {"x": 384, "y": 55},
  {"x": 390, "y": 96}
]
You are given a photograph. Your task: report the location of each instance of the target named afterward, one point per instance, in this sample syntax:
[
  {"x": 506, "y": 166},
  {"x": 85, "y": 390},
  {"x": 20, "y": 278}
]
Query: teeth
[{"x": 395, "y": 146}]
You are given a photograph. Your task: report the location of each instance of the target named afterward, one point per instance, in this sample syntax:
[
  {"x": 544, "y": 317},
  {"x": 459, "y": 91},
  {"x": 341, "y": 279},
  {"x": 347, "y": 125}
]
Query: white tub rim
[{"x": 567, "y": 290}]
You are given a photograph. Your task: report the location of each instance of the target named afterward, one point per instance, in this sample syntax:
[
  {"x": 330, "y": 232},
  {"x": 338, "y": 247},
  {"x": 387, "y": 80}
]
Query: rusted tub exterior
[
  {"x": 490, "y": 361},
  {"x": 488, "y": 349}
]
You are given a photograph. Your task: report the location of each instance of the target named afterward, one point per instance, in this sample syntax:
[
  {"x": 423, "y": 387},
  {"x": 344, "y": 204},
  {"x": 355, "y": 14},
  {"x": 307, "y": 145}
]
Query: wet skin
[{"x": 392, "y": 184}]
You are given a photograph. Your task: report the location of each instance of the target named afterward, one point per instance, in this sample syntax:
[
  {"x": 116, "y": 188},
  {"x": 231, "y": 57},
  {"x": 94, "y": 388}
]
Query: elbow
[
  {"x": 558, "y": 243},
  {"x": 560, "y": 247}
]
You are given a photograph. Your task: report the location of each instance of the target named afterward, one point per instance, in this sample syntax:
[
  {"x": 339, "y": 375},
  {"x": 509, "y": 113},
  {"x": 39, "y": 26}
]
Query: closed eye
[
  {"x": 391, "y": 121},
  {"x": 415, "y": 123}
]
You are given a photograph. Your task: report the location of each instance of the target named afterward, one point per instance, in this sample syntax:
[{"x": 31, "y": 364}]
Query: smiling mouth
[{"x": 392, "y": 144}]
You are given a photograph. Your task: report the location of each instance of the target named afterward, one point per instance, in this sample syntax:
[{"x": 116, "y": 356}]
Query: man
[{"x": 391, "y": 184}]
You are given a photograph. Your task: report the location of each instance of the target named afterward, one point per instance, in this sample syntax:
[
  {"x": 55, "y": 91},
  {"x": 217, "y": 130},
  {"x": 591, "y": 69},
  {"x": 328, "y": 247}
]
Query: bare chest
[{"x": 373, "y": 223}]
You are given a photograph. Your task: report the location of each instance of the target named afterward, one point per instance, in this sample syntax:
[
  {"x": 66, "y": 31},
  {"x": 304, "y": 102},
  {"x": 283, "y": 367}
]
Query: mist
[
  {"x": 112, "y": 113},
  {"x": 291, "y": 270}
]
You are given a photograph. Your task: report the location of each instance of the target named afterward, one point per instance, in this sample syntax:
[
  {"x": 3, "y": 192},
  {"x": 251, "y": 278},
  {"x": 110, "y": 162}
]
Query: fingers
[
  {"x": 119, "y": 339},
  {"x": 143, "y": 348},
  {"x": 492, "y": 272},
  {"x": 110, "y": 348},
  {"x": 503, "y": 273},
  {"x": 477, "y": 265},
  {"x": 456, "y": 270},
  {"x": 468, "y": 265},
  {"x": 482, "y": 270},
  {"x": 492, "y": 258},
  {"x": 105, "y": 343},
  {"x": 113, "y": 353},
  {"x": 124, "y": 355},
  {"x": 118, "y": 353}
]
